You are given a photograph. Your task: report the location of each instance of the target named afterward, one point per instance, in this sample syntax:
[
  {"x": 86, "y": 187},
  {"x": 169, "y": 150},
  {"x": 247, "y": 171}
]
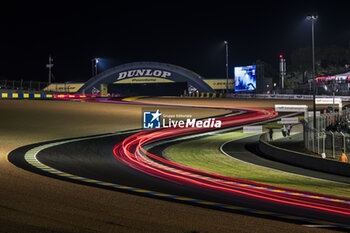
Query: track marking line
[
  {"x": 276, "y": 190},
  {"x": 318, "y": 226},
  {"x": 31, "y": 157}
]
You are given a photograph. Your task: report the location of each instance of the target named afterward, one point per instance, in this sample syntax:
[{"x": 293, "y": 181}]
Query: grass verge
[{"x": 204, "y": 154}]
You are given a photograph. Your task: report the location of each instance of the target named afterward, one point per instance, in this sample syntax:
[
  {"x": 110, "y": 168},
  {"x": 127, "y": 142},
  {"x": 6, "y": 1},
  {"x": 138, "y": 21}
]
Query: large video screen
[{"x": 245, "y": 79}]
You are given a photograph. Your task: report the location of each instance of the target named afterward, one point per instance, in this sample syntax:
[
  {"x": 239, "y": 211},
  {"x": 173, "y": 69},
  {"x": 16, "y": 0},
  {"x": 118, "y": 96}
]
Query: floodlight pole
[
  {"x": 49, "y": 66},
  {"x": 313, "y": 69},
  {"x": 94, "y": 62},
  {"x": 313, "y": 18},
  {"x": 226, "y": 67}
]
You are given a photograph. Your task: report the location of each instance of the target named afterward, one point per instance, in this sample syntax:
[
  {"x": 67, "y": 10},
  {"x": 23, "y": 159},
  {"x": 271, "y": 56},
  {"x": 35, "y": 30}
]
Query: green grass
[{"x": 204, "y": 154}]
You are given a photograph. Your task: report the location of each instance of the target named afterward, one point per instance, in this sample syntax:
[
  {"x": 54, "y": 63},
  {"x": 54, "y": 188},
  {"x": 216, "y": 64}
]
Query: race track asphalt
[
  {"x": 93, "y": 158},
  {"x": 38, "y": 201}
]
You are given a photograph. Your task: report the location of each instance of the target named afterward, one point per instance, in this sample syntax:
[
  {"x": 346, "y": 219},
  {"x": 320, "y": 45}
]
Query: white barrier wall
[
  {"x": 280, "y": 96},
  {"x": 253, "y": 129}
]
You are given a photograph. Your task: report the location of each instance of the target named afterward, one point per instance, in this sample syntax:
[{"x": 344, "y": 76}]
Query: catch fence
[{"x": 331, "y": 136}]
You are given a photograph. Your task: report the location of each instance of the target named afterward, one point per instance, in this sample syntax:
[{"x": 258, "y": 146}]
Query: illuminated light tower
[
  {"x": 282, "y": 69},
  {"x": 226, "y": 45},
  {"x": 94, "y": 63},
  {"x": 313, "y": 19}
]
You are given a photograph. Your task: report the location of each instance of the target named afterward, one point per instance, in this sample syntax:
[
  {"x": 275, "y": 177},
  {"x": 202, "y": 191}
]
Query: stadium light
[
  {"x": 226, "y": 45},
  {"x": 94, "y": 63},
  {"x": 282, "y": 69},
  {"x": 313, "y": 19}
]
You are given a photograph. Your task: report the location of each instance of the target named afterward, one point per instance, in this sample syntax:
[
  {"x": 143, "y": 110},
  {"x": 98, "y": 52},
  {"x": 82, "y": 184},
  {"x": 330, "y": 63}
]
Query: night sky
[{"x": 185, "y": 34}]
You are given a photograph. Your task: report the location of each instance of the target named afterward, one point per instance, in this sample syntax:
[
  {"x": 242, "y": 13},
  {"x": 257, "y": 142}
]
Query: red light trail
[{"x": 132, "y": 153}]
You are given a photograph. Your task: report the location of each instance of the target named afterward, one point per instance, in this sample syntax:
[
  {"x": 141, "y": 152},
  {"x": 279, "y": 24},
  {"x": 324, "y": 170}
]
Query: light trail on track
[{"x": 132, "y": 153}]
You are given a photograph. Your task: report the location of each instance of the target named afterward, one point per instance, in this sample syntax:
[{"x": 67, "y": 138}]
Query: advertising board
[
  {"x": 290, "y": 108},
  {"x": 245, "y": 78},
  {"x": 252, "y": 129}
]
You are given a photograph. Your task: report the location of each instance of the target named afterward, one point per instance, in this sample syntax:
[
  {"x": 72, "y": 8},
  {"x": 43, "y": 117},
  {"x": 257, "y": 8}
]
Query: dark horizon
[{"x": 188, "y": 35}]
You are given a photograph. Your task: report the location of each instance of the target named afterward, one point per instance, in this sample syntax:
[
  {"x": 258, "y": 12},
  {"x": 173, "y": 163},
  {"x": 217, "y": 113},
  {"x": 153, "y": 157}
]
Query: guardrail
[
  {"x": 206, "y": 95},
  {"x": 331, "y": 136},
  {"x": 53, "y": 96},
  {"x": 26, "y": 96},
  {"x": 281, "y": 96},
  {"x": 261, "y": 96}
]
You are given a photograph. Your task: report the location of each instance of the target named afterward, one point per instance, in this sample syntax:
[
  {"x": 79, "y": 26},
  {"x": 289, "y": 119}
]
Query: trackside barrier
[
  {"x": 279, "y": 96},
  {"x": 83, "y": 96},
  {"x": 26, "y": 96},
  {"x": 328, "y": 138},
  {"x": 301, "y": 159},
  {"x": 268, "y": 96},
  {"x": 205, "y": 95},
  {"x": 50, "y": 96}
]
